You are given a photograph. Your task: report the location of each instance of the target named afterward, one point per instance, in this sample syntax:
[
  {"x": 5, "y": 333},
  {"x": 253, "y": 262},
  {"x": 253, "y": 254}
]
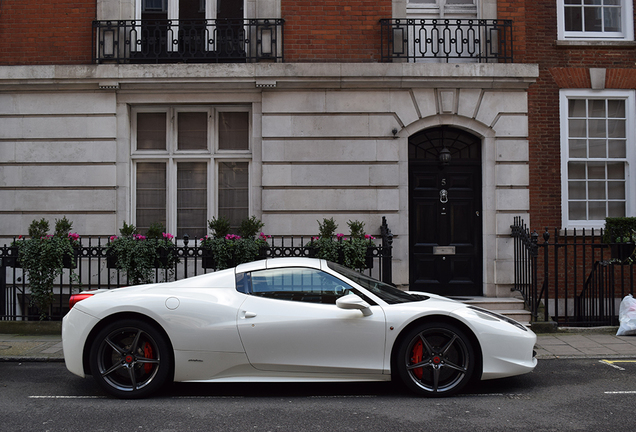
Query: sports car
[{"x": 284, "y": 320}]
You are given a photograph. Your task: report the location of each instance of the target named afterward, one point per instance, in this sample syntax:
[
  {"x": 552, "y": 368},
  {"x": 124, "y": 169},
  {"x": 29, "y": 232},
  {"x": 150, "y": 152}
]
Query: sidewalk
[
  {"x": 31, "y": 347},
  {"x": 567, "y": 343},
  {"x": 585, "y": 343}
]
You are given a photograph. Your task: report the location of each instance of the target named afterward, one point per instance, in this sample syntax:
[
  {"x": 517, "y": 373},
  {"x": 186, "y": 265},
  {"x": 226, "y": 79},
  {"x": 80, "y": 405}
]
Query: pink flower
[
  {"x": 369, "y": 237},
  {"x": 264, "y": 237},
  {"x": 168, "y": 236},
  {"x": 340, "y": 235},
  {"x": 73, "y": 236},
  {"x": 113, "y": 238},
  {"x": 232, "y": 237},
  {"x": 315, "y": 238},
  {"x": 139, "y": 237}
]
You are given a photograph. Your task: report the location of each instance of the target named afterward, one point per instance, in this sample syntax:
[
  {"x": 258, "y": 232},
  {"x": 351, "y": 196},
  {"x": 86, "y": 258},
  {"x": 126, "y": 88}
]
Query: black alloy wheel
[
  {"x": 130, "y": 359},
  {"x": 435, "y": 359}
]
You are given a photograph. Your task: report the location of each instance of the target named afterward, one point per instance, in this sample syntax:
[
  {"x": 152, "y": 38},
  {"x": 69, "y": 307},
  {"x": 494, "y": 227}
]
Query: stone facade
[{"x": 322, "y": 145}]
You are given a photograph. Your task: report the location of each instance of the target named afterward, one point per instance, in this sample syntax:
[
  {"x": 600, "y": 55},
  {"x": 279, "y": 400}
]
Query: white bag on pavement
[{"x": 627, "y": 317}]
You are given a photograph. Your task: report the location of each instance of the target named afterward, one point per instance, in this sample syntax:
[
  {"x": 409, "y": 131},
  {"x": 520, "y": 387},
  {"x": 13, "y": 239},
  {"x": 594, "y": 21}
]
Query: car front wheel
[
  {"x": 435, "y": 359},
  {"x": 130, "y": 359}
]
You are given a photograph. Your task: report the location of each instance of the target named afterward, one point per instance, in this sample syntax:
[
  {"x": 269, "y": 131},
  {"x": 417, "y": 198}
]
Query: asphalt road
[{"x": 560, "y": 395}]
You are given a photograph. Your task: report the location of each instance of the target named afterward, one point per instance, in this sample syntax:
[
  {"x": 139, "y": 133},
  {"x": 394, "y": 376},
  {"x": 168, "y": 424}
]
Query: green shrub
[
  {"x": 228, "y": 249},
  {"x": 138, "y": 255},
  {"x": 620, "y": 230},
  {"x": 42, "y": 258}
]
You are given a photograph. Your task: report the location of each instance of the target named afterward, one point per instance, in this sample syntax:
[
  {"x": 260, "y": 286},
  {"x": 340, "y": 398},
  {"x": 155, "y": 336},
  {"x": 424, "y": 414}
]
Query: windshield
[{"x": 386, "y": 292}]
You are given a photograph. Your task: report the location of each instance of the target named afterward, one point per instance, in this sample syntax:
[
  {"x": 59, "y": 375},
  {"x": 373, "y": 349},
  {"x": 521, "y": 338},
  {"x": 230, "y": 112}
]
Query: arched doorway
[{"x": 445, "y": 206}]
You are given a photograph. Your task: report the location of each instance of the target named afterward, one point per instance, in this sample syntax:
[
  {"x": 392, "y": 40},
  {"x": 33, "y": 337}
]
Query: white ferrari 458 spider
[{"x": 283, "y": 320}]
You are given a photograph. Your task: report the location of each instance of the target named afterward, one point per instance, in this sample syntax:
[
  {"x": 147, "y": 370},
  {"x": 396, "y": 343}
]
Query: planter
[
  {"x": 311, "y": 252},
  {"x": 622, "y": 251},
  {"x": 166, "y": 257},
  {"x": 263, "y": 252},
  {"x": 111, "y": 259},
  {"x": 68, "y": 262},
  {"x": 207, "y": 260}
]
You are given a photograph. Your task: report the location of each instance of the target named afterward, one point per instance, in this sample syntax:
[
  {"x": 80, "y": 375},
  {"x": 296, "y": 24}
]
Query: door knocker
[{"x": 443, "y": 196}]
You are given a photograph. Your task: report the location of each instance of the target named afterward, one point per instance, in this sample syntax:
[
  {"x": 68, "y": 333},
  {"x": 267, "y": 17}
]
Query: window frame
[
  {"x": 171, "y": 156},
  {"x": 301, "y": 296},
  {"x": 440, "y": 9},
  {"x": 630, "y": 152},
  {"x": 626, "y": 33},
  {"x": 162, "y": 9}
]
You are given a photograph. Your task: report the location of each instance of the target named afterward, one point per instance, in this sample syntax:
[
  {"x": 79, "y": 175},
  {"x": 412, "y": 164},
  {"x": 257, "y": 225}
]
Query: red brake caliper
[
  {"x": 416, "y": 357},
  {"x": 148, "y": 355}
]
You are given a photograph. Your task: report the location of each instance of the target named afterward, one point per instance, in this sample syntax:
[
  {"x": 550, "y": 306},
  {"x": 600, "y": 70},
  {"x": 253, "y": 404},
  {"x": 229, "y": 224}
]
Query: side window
[
  {"x": 595, "y": 20},
  {"x": 298, "y": 284},
  {"x": 597, "y": 163}
]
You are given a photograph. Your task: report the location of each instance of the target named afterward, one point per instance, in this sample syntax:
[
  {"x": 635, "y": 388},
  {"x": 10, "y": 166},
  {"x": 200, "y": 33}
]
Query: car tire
[
  {"x": 435, "y": 359},
  {"x": 130, "y": 359}
]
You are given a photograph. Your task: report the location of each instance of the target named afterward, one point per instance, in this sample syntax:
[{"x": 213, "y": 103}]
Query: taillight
[{"x": 78, "y": 297}]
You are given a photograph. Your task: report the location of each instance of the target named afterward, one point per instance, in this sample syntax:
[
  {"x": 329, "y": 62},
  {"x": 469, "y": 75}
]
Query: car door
[{"x": 290, "y": 323}]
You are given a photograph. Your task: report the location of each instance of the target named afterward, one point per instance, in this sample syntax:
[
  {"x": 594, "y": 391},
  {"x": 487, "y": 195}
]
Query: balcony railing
[
  {"x": 440, "y": 40},
  {"x": 188, "y": 41}
]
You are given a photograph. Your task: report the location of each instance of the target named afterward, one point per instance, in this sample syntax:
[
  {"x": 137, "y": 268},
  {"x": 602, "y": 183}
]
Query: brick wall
[
  {"x": 37, "y": 32},
  {"x": 333, "y": 30},
  {"x": 559, "y": 67}
]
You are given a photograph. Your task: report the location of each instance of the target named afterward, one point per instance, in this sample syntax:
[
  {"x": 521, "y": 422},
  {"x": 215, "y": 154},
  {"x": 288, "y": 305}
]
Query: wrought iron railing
[
  {"x": 188, "y": 41},
  {"x": 94, "y": 270},
  {"x": 471, "y": 40},
  {"x": 571, "y": 277}
]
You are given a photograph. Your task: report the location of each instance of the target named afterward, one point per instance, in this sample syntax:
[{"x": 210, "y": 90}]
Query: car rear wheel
[
  {"x": 130, "y": 359},
  {"x": 435, "y": 359}
]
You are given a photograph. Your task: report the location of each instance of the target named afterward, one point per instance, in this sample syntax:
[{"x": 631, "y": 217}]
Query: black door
[{"x": 445, "y": 212}]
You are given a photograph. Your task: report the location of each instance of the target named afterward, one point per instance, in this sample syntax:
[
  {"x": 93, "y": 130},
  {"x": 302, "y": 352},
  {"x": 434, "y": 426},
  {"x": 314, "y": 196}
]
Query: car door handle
[{"x": 248, "y": 314}]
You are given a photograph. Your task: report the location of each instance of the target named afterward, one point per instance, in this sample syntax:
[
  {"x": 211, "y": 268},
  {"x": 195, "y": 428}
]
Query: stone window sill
[{"x": 596, "y": 43}]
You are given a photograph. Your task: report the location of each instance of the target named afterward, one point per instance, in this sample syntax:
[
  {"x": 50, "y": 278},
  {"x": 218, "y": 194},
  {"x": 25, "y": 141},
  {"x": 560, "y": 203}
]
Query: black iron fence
[
  {"x": 93, "y": 270},
  {"x": 571, "y": 276},
  {"x": 476, "y": 40},
  {"x": 188, "y": 41}
]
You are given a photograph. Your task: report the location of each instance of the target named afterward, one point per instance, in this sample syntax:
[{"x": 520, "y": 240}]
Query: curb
[
  {"x": 16, "y": 359},
  {"x": 31, "y": 327},
  {"x": 552, "y": 327}
]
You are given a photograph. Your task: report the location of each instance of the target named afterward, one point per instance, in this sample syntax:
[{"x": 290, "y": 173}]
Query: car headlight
[{"x": 493, "y": 315}]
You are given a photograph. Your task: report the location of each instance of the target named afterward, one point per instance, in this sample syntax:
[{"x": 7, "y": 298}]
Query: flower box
[
  {"x": 167, "y": 256},
  {"x": 111, "y": 259},
  {"x": 68, "y": 261},
  {"x": 208, "y": 261}
]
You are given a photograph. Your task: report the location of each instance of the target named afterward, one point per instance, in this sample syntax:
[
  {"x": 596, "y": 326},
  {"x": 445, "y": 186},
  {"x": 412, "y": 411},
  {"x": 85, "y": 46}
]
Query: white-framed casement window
[
  {"x": 190, "y": 163},
  {"x": 597, "y": 156},
  {"x": 595, "y": 20},
  {"x": 441, "y": 9}
]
